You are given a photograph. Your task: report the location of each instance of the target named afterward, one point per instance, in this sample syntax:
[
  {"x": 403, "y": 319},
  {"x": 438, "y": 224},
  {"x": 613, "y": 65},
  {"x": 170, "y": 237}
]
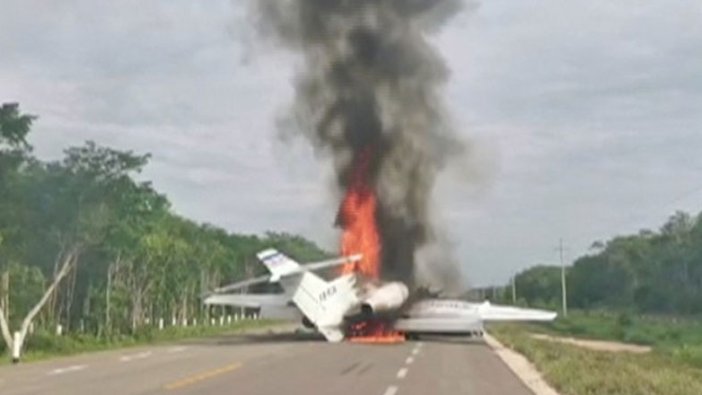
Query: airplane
[{"x": 331, "y": 306}]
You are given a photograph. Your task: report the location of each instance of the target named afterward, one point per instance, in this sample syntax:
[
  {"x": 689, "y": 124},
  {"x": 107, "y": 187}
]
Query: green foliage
[
  {"x": 14, "y": 126},
  {"x": 661, "y": 332},
  {"x": 650, "y": 272},
  {"x": 135, "y": 259},
  {"x": 30, "y": 281},
  {"x": 540, "y": 285}
]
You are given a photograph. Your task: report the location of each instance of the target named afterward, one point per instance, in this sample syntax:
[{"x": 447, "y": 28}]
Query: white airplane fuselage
[{"x": 329, "y": 305}]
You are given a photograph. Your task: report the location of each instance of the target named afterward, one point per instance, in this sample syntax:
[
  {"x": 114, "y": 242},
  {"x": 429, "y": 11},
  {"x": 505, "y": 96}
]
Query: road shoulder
[{"x": 521, "y": 367}]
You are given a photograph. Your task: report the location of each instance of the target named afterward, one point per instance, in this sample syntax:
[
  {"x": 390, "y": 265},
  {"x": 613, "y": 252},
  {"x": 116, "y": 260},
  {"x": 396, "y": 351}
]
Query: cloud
[
  {"x": 584, "y": 116},
  {"x": 591, "y": 107}
]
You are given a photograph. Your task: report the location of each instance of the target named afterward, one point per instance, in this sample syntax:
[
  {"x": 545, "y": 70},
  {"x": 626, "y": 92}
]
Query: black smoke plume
[{"x": 371, "y": 81}]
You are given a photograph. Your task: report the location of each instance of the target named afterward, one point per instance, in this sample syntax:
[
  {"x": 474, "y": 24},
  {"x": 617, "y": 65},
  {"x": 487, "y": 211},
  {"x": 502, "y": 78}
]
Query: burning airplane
[
  {"x": 349, "y": 306},
  {"x": 368, "y": 96}
]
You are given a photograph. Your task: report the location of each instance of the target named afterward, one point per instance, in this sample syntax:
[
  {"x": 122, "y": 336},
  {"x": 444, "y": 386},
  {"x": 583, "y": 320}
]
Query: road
[{"x": 272, "y": 365}]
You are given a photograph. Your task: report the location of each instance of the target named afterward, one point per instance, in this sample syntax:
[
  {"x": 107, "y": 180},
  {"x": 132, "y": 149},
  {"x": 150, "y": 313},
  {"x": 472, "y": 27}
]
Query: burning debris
[
  {"x": 374, "y": 331},
  {"x": 369, "y": 96}
]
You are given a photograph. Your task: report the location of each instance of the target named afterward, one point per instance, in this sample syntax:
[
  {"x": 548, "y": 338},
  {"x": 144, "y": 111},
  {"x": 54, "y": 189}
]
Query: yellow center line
[{"x": 201, "y": 376}]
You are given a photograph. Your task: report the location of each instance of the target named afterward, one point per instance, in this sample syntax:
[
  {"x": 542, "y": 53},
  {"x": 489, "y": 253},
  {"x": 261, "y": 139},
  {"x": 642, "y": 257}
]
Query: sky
[{"x": 583, "y": 118}]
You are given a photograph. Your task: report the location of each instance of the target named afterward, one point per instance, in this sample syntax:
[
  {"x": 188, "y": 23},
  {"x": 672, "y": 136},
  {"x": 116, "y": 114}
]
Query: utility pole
[
  {"x": 514, "y": 290},
  {"x": 563, "y": 280}
]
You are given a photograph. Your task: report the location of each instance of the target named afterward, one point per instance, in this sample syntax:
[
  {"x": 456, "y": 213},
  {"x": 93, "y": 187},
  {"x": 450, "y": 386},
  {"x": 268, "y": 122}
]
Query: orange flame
[
  {"x": 357, "y": 214},
  {"x": 360, "y": 236},
  {"x": 375, "y": 331}
]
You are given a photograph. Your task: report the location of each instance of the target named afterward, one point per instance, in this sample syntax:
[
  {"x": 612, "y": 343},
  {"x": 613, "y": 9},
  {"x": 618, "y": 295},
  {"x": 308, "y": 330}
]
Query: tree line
[
  {"x": 658, "y": 272},
  {"x": 85, "y": 244}
]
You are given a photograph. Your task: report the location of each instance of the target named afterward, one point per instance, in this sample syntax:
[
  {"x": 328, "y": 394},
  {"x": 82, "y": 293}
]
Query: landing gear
[
  {"x": 411, "y": 336},
  {"x": 307, "y": 323}
]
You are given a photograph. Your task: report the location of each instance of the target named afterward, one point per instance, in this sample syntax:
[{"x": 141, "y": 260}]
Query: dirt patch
[{"x": 597, "y": 345}]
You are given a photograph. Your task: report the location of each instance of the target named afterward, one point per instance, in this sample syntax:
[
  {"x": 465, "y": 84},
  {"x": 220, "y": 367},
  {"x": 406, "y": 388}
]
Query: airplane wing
[
  {"x": 457, "y": 317},
  {"x": 243, "y": 284},
  {"x": 490, "y": 312},
  {"x": 314, "y": 266},
  {"x": 267, "y": 278},
  {"x": 248, "y": 300},
  {"x": 439, "y": 325}
]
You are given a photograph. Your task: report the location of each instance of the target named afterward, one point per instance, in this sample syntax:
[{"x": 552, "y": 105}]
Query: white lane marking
[
  {"x": 402, "y": 373},
  {"x": 68, "y": 369},
  {"x": 141, "y": 355},
  {"x": 409, "y": 360},
  {"x": 392, "y": 390},
  {"x": 415, "y": 351},
  {"x": 176, "y": 349}
]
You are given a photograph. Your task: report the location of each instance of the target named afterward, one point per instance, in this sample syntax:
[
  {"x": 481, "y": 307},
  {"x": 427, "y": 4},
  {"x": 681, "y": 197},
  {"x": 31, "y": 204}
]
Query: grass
[
  {"x": 674, "y": 367},
  {"x": 653, "y": 331},
  {"x": 679, "y": 339},
  {"x": 43, "y": 345}
]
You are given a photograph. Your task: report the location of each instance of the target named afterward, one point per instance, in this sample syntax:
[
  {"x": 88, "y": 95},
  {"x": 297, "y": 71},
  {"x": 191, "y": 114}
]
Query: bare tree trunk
[
  {"x": 108, "y": 289},
  {"x": 67, "y": 263},
  {"x": 69, "y": 287},
  {"x": 184, "y": 305},
  {"x": 5, "y": 293},
  {"x": 111, "y": 270},
  {"x": 5, "y": 308},
  {"x": 4, "y": 327},
  {"x": 136, "y": 310},
  {"x": 51, "y": 314}
]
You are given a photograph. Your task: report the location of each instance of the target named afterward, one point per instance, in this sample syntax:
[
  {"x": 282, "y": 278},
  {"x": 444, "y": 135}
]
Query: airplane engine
[{"x": 387, "y": 297}]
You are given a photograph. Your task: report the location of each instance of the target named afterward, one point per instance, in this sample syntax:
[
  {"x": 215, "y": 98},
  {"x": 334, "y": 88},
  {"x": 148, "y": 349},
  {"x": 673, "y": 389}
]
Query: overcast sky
[{"x": 585, "y": 118}]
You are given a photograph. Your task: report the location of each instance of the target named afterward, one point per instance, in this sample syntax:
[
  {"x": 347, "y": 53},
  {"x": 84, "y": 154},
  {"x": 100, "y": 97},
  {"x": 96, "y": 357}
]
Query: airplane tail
[
  {"x": 324, "y": 303},
  {"x": 278, "y": 264}
]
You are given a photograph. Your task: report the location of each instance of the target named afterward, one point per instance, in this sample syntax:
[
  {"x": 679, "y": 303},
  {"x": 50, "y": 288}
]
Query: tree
[
  {"x": 86, "y": 245},
  {"x": 14, "y": 128},
  {"x": 72, "y": 201},
  {"x": 652, "y": 272},
  {"x": 539, "y": 285}
]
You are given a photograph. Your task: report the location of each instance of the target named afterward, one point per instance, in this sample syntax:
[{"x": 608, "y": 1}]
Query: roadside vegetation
[
  {"x": 88, "y": 245},
  {"x": 574, "y": 370},
  {"x": 674, "y": 366},
  {"x": 653, "y": 272},
  {"x": 43, "y": 345},
  {"x": 658, "y": 331},
  {"x": 644, "y": 288}
]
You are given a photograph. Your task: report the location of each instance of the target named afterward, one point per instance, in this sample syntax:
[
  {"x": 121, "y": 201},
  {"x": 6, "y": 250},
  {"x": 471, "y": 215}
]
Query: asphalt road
[{"x": 272, "y": 365}]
